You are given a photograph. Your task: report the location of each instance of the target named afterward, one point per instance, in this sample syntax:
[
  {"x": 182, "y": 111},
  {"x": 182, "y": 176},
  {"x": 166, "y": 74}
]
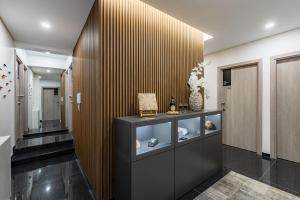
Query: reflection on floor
[
  {"x": 278, "y": 173},
  {"x": 58, "y": 178},
  {"x": 47, "y": 128}
]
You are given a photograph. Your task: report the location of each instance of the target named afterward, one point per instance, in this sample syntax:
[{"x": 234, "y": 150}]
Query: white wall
[
  {"x": 7, "y": 105},
  {"x": 68, "y": 98},
  {"x": 30, "y": 98},
  {"x": 262, "y": 49}
]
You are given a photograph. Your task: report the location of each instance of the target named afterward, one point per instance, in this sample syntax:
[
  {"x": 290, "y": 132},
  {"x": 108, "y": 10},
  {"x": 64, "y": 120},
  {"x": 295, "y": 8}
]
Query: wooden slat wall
[{"x": 126, "y": 47}]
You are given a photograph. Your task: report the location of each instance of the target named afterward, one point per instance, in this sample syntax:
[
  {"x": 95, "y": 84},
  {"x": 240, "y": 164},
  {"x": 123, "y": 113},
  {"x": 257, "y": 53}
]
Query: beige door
[
  {"x": 21, "y": 100},
  {"x": 288, "y": 110},
  {"x": 51, "y": 104},
  {"x": 240, "y": 113}
]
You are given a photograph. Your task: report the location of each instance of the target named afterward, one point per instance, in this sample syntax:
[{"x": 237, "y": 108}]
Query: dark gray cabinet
[{"x": 182, "y": 155}]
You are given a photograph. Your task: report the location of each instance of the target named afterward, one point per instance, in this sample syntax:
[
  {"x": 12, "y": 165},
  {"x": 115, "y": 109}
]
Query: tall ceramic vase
[{"x": 196, "y": 101}]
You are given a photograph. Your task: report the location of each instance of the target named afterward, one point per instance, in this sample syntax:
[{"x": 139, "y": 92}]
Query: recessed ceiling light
[
  {"x": 269, "y": 25},
  {"x": 46, "y": 25},
  {"x": 207, "y": 37},
  {"x": 47, "y": 52},
  {"x": 48, "y": 188},
  {"x": 48, "y": 70}
]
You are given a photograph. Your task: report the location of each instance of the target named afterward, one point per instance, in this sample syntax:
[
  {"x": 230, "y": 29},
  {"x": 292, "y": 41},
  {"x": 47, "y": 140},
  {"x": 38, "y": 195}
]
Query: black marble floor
[
  {"x": 58, "y": 178},
  {"x": 36, "y": 142},
  {"x": 46, "y": 127},
  {"x": 282, "y": 174}
]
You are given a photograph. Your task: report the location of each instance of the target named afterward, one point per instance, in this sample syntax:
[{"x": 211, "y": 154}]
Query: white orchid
[{"x": 196, "y": 81}]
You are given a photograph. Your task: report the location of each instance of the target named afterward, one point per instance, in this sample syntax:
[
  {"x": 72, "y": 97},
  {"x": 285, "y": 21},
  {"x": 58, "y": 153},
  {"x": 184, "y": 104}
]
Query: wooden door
[
  {"x": 21, "y": 101},
  {"x": 288, "y": 110},
  {"x": 240, "y": 114},
  {"x": 63, "y": 100},
  {"x": 51, "y": 104}
]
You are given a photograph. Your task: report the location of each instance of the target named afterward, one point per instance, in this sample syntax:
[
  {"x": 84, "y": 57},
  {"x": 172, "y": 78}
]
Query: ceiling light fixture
[
  {"x": 207, "y": 37},
  {"x": 48, "y": 70},
  {"x": 47, "y": 52},
  {"x": 46, "y": 25},
  {"x": 48, "y": 188},
  {"x": 269, "y": 25}
]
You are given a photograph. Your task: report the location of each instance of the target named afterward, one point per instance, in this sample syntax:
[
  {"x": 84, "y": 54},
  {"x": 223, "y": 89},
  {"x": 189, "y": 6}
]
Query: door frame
[
  {"x": 273, "y": 98},
  {"x": 259, "y": 64},
  {"x": 42, "y": 98}
]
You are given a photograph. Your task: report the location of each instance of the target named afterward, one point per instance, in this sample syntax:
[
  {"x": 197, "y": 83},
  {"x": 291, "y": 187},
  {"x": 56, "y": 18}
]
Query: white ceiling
[
  {"x": 54, "y": 74},
  {"x": 67, "y": 17},
  {"x": 233, "y": 22}
]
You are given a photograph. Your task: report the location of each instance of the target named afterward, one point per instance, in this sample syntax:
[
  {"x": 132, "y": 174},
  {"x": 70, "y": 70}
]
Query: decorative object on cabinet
[
  {"x": 197, "y": 83},
  {"x": 182, "y": 131},
  {"x": 172, "y": 104},
  {"x": 213, "y": 123},
  {"x": 172, "y": 110},
  {"x": 138, "y": 144},
  {"x": 153, "y": 142},
  {"x": 209, "y": 125},
  {"x": 147, "y": 104}
]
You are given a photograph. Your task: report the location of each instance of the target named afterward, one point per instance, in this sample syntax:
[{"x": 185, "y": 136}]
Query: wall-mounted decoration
[
  {"x": 9, "y": 90},
  {"x": 3, "y": 76},
  {"x": 147, "y": 104},
  {"x": 9, "y": 72},
  {"x": 4, "y": 96},
  {"x": 10, "y": 81},
  {"x": 6, "y": 84},
  {"x": 1, "y": 87},
  {"x": 4, "y": 65},
  {"x": 0, "y": 69},
  {"x": 197, "y": 84}
]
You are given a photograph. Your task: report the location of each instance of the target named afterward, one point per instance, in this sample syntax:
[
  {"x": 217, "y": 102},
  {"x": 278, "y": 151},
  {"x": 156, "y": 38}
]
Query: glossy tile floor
[
  {"x": 278, "y": 173},
  {"x": 48, "y": 180},
  {"x": 47, "y": 126}
]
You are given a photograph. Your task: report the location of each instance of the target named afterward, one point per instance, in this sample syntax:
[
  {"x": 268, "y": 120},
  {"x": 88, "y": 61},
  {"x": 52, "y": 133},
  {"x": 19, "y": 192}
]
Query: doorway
[
  {"x": 51, "y": 104},
  {"x": 240, "y": 98},
  {"x": 21, "y": 99},
  {"x": 285, "y": 112}
]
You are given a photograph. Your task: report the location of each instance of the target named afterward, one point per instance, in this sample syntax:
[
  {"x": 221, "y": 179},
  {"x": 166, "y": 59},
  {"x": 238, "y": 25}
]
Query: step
[
  {"x": 26, "y": 145},
  {"x": 41, "y": 154},
  {"x": 45, "y": 133}
]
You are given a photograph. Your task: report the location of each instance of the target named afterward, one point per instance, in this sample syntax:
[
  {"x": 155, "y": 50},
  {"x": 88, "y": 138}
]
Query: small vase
[{"x": 196, "y": 101}]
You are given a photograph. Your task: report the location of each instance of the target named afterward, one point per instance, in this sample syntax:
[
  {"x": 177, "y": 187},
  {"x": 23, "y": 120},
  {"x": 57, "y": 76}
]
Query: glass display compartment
[
  {"x": 188, "y": 129},
  {"x": 153, "y": 137},
  {"x": 212, "y": 123}
]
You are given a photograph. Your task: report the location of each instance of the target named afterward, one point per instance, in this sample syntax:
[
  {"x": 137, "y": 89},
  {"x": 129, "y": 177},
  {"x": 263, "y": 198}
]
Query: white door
[{"x": 51, "y": 104}]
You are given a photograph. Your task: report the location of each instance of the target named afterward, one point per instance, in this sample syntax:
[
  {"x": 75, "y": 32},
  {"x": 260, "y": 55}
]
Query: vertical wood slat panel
[{"x": 126, "y": 47}]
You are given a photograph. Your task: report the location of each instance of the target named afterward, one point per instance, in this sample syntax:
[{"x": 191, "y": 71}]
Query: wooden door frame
[
  {"x": 259, "y": 64},
  {"x": 273, "y": 98}
]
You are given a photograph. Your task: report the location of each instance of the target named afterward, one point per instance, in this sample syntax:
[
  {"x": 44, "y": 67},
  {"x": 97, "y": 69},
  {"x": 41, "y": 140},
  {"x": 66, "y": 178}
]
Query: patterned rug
[{"x": 235, "y": 186}]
